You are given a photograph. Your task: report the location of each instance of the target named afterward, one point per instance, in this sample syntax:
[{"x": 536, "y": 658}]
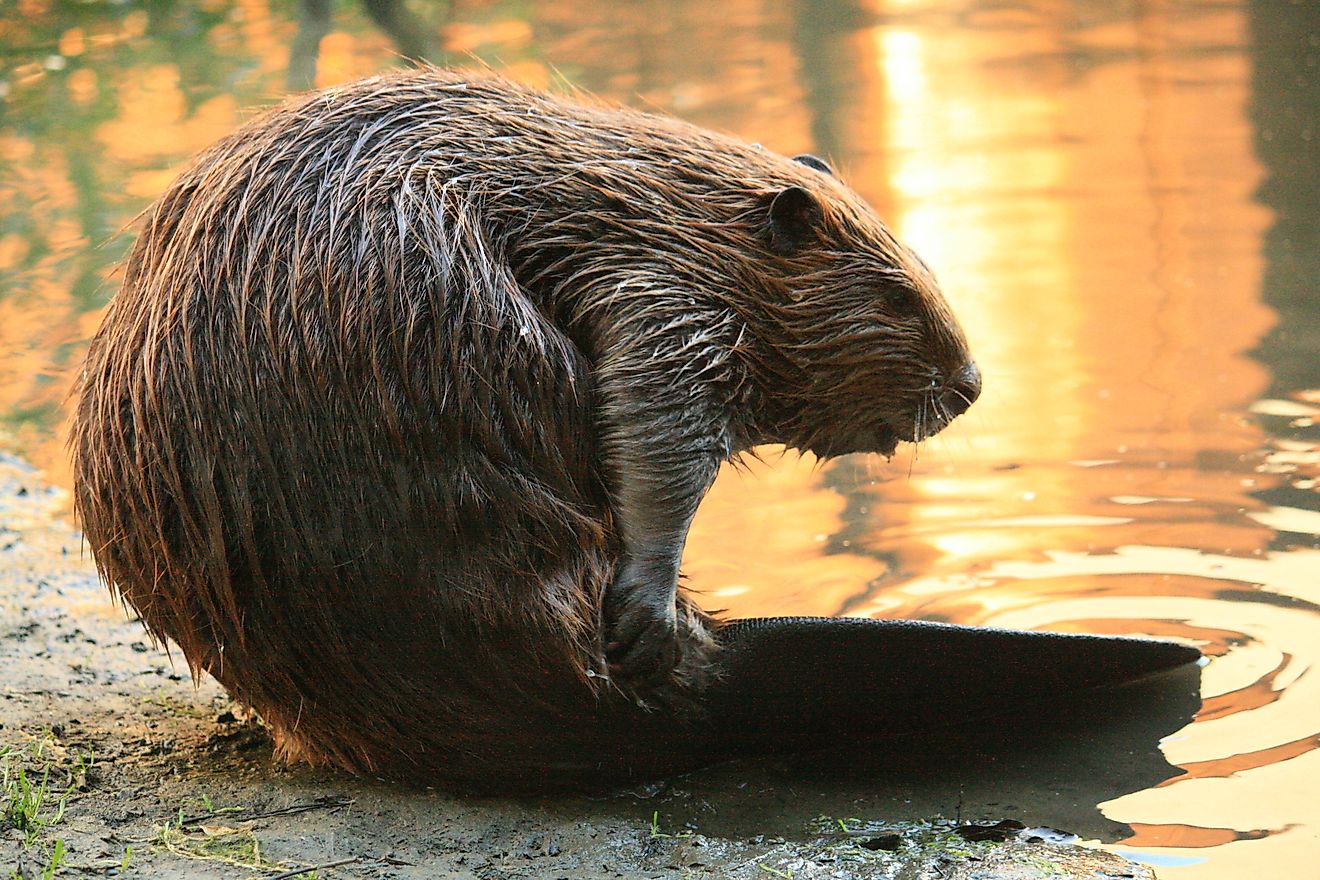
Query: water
[{"x": 1121, "y": 200}]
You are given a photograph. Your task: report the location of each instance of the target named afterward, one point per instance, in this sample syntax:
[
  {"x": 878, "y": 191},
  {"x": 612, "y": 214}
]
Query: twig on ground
[
  {"x": 384, "y": 860},
  {"x": 310, "y": 868}
]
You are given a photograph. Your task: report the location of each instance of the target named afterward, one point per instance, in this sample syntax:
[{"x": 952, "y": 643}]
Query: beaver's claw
[{"x": 655, "y": 653}]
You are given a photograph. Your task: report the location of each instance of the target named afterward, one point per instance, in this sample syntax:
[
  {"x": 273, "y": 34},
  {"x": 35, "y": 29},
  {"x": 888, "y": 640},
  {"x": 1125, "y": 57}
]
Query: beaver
[{"x": 413, "y": 386}]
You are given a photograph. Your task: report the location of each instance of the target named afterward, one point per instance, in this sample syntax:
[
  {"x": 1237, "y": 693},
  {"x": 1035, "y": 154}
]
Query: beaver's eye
[{"x": 815, "y": 162}]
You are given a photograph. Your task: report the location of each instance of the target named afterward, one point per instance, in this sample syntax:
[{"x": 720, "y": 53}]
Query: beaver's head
[{"x": 872, "y": 354}]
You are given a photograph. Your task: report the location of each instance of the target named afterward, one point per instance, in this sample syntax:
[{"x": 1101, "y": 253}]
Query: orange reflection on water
[
  {"x": 1082, "y": 224},
  {"x": 1081, "y": 178},
  {"x": 769, "y": 523},
  {"x": 1084, "y": 190}
]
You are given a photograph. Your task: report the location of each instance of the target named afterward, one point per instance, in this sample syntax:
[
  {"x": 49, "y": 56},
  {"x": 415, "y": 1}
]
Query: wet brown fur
[{"x": 340, "y": 434}]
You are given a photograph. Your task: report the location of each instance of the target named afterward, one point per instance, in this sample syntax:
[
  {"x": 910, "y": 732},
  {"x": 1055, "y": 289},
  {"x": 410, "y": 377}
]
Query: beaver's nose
[{"x": 961, "y": 390}]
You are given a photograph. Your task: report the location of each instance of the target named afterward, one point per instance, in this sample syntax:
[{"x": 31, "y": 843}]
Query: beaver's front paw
[{"x": 656, "y": 654}]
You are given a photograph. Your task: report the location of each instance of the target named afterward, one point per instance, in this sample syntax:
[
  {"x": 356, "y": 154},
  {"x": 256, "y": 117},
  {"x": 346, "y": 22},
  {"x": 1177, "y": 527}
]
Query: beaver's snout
[
  {"x": 946, "y": 400},
  {"x": 960, "y": 391}
]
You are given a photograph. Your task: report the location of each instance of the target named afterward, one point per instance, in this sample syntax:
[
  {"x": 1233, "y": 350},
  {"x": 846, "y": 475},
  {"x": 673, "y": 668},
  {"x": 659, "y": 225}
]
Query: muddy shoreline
[{"x": 148, "y": 776}]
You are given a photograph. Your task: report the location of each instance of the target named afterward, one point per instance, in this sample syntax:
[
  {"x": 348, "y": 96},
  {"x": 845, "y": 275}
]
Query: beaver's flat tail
[
  {"x": 790, "y": 683},
  {"x": 866, "y": 688}
]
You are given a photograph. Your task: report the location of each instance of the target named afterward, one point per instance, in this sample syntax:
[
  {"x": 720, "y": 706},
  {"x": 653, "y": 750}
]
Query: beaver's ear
[
  {"x": 815, "y": 162},
  {"x": 794, "y": 218}
]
